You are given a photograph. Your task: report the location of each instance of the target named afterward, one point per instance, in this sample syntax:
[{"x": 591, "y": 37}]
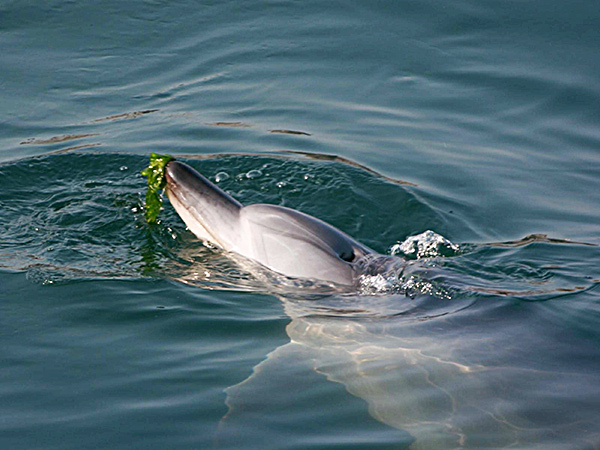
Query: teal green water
[{"x": 476, "y": 120}]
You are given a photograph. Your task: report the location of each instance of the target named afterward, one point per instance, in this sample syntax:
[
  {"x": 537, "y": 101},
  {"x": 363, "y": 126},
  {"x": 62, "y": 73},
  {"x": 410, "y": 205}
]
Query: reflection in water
[
  {"x": 435, "y": 386},
  {"x": 447, "y": 389},
  {"x": 537, "y": 238}
]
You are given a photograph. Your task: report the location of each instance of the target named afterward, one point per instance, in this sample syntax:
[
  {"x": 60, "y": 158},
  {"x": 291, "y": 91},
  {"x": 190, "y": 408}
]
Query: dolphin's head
[{"x": 284, "y": 240}]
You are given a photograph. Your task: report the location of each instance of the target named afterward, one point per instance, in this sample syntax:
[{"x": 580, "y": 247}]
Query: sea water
[{"x": 459, "y": 140}]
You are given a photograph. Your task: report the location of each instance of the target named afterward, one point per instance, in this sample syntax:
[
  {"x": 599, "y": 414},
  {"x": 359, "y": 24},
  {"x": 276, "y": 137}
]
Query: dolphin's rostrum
[{"x": 284, "y": 240}]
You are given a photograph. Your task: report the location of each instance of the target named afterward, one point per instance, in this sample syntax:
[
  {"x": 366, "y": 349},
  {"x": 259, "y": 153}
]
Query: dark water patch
[
  {"x": 327, "y": 157},
  {"x": 85, "y": 216},
  {"x": 73, "y": 148},
  {"x": 538, "y": 238}
]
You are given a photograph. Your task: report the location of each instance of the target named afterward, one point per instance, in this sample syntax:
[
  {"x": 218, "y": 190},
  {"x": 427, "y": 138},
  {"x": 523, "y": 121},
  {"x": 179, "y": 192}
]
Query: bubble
[
  {"x": 123, "y": 168},
  {"x": 254, "y": 173},
  {"x": 221, "y": 176}
]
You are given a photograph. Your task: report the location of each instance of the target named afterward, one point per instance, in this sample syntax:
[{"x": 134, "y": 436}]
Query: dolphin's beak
[
  {"x": 183, "y": 182},
  {"x": 209, "y": 212},
  {"x": 170, "y": 177},
  {"x": 175, "y": 174},
  {"x": 182, "y": 179}
]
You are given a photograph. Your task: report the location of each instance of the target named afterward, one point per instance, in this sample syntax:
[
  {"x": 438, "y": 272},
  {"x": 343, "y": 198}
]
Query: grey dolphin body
[{"x": 282, "y": 239}]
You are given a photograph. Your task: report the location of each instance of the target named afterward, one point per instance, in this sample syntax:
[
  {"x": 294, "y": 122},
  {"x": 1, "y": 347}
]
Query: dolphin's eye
[{"x": 349, "y": 257}]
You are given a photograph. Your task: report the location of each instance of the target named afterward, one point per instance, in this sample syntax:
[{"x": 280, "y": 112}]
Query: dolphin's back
[{"x": 298, "y": 245}]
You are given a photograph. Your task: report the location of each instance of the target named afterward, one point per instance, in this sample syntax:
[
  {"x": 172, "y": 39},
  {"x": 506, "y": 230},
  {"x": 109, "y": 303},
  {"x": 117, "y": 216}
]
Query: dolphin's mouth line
[{"x": 173, "y": 196}]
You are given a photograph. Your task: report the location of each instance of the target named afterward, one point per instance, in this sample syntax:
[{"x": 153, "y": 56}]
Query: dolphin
[
  {"x": 434, "y": 379},
  {"x": 284, "y": 240}
]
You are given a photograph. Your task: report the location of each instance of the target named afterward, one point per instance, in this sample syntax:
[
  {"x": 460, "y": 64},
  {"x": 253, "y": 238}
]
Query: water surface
[{"x": 476, "y": 120}]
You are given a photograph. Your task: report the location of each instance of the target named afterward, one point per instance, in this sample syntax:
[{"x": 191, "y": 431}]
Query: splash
[
  {"x": 397, "y": 274},
  {"x": 425, "y": 245},
  {"x": 389, "y": 274}
]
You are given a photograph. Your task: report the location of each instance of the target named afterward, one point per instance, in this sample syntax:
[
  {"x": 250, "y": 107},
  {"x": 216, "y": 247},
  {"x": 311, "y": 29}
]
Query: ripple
[
  {"x": 297, "y": 133},
  {"x": 57, "y": 139},
  {"x": 85, "y": 217},
  {"x": 85, "y": 220}
]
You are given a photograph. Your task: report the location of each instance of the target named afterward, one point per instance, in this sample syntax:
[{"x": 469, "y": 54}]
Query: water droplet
[
  {"x": 221, "y": 176},
  {"x": 281, "y": 184}
]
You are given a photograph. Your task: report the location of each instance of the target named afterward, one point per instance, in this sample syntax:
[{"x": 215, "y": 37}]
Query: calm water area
[{"x": 477, "y": 120}]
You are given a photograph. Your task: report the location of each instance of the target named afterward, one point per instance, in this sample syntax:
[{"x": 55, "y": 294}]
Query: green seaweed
[{"x": 155, "y": 172}]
